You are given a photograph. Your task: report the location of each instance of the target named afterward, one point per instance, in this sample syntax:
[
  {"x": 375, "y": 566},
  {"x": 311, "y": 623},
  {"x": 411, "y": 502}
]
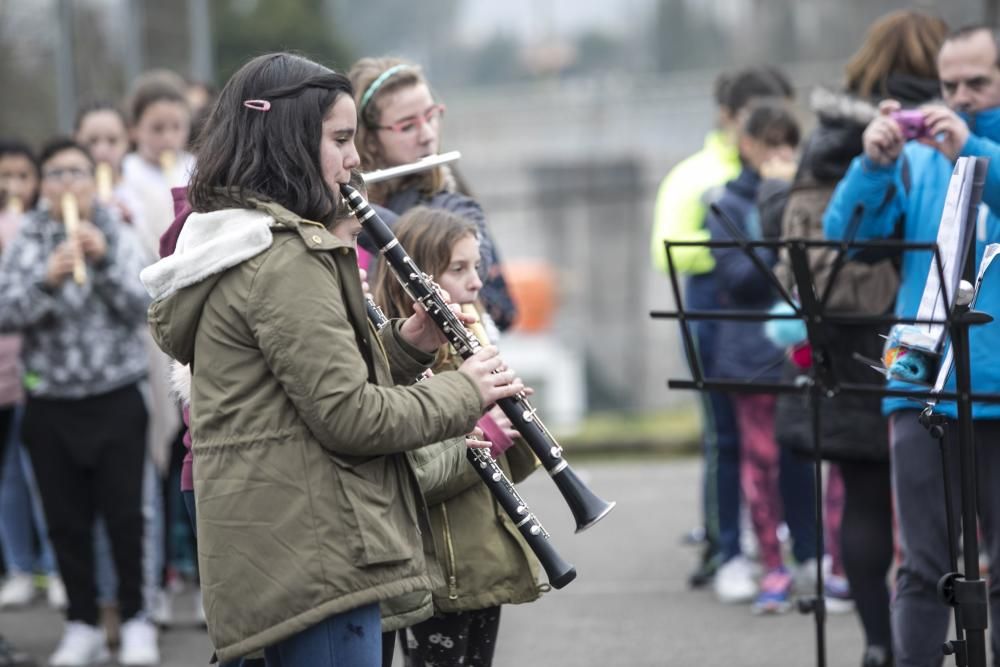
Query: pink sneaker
[{"x": 775, "y": 595}]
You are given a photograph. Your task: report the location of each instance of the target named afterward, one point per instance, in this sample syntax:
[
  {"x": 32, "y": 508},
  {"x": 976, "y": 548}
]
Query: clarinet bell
[
  {"x": 586, "y": 506},
  {"x": 560, "y": 574},
  {"x": 557, "y": 571}
]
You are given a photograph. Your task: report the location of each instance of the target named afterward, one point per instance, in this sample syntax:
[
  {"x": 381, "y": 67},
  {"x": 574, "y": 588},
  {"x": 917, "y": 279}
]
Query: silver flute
[
  {"x": 557, "y": 570},
  {"x": 424, "y": 164}
]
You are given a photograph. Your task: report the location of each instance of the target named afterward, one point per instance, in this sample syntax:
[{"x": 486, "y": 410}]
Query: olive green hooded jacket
[
  {"x": 305, "y": 507},
  {"x": 485, "y": 560}
]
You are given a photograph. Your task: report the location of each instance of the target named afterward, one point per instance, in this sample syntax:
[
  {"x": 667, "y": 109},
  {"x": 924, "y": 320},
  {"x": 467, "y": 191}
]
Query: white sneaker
[
  {"x": 138, "y": 643},
  {"x": 804, "y": 576},
  {"x": 734, "y": 581},
  {"x": 18, "y": 590},
  {"x": 162, "y": 612},
  {"x": 81, "y": 644},
  {"x": 55, "y": 592},
  {"x": 199, "y": 607}
]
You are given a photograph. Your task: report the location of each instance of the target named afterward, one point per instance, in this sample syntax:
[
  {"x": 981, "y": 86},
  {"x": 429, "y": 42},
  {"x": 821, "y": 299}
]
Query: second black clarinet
[
  {"x": 587, "y": 507},
  {"x": 557, "y": 570}
]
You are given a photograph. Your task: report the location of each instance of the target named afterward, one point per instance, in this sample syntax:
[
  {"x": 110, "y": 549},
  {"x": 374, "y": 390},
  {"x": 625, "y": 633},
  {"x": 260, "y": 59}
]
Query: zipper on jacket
[{"x": 450, "y": 548}]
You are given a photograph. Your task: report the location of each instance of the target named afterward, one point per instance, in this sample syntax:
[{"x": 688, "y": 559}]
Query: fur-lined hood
[
  {"x": 836, "y": 140},
  {"x": 209, "y": 244},
  {"x": 840, "y": 106}
]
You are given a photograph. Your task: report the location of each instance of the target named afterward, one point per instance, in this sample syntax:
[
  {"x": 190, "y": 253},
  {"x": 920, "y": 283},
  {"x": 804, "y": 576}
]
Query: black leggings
[
  {"x": 6, "y": 423},
  {"x": 866, "y": 545},
  {"x": 466, "y": 638},
  {"x": 88, "y": 456}
]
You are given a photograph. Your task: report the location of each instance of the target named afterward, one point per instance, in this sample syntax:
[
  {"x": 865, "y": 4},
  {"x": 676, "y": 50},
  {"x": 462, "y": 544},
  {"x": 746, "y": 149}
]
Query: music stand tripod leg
[
  {"x": 820, "y": 383},
  {"x": 936, "y": 424},
  {"x": 968, "y": 592},
  {"x": 965, "y": 592}
]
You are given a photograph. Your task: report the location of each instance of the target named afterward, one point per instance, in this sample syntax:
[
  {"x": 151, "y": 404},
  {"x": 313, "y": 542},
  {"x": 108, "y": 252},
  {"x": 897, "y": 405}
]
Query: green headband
[{"x": 377, "y": 83}]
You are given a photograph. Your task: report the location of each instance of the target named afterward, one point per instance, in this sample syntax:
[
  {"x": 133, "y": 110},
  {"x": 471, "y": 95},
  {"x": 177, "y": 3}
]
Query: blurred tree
[
  {"x": 165, "y": 35},
  {"x": 422, "y": 31},
  {"x": 100, "y": 75},
  {"x": 247, "y": 28},
  {"x": 496, "y": 61},
  {"x": 597, "y": 52},
  {"x": 991, "y": 12},
  {"x": 27, "y": 75},
  {"x": 683, "y": 39}
]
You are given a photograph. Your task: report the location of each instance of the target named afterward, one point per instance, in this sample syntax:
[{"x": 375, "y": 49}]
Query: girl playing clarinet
[{"x": 485, "y": 561}]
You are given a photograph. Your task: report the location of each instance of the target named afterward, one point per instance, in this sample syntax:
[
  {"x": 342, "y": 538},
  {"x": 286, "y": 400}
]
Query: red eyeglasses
[{"x": 411, "y": 123}]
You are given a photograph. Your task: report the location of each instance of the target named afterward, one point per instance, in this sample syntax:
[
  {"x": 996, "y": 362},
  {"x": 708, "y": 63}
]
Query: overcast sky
[{"x": 533, "y": 20}]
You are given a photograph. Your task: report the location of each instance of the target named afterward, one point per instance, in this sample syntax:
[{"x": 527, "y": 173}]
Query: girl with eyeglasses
[{"x": 399, "y": 122}]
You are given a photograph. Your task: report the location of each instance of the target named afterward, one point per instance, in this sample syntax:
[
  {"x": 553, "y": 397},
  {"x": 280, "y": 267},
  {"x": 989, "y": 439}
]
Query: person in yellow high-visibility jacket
[
  {"x": 683, "y": 198},
  {"x": 685, "y": 194},
  {"x": 681, "y": 204}
]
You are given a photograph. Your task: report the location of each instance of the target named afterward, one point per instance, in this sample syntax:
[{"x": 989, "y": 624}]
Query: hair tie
[
  {"x": 257, "y": 105},
  {"x": 367, "y": 97}
]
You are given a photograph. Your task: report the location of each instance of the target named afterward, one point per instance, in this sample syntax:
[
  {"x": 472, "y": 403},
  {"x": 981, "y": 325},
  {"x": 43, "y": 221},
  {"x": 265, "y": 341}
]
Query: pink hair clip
[{"x": 257, "y": 105}]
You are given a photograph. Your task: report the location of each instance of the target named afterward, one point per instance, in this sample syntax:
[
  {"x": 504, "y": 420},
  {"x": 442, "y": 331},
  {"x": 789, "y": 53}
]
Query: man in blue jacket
[{"x": 901, "y": 186}]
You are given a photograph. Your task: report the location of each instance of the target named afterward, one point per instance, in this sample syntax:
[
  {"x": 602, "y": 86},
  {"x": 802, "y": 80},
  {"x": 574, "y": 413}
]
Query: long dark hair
[{"x": 269, "y": 155}]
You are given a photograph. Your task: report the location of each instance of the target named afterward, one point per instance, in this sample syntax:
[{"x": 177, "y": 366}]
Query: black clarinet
[
  {"x": 557, "y": 570},
  {"x": 586, "y": 506}
]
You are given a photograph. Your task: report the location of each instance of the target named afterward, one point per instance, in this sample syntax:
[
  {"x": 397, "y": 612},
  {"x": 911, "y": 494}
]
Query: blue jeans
[
  {"x": 350, "y": 639},
  {"x": 796, "y": 481},
  {"x": 722, "y": 474},
  {"x": 21, "y": 516},
  {"x": 721, "y": 440}
]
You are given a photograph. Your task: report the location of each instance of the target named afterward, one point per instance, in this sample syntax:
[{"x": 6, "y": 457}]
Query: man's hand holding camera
[
  {"x": 946, "y": 131},
  {"x": 883, "y": 138},
  {"x": 933, "y": 125}
]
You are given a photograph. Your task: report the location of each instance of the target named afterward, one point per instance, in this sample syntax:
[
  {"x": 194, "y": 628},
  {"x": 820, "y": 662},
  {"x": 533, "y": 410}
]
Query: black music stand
[{"x": 966, "y": 593}]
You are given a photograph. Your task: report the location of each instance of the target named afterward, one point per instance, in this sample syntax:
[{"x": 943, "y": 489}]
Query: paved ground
[{"x": 628, "y": 607}]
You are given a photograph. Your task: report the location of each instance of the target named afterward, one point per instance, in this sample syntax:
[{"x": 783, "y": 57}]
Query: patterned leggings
[{"x": 466, "y": 638}]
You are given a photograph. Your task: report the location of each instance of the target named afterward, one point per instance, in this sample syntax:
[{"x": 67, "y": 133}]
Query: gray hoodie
[{"x": 78, "y": 340}]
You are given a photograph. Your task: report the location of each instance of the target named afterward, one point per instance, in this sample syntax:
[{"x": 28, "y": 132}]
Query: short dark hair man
[{"x": 896, "y": 178}]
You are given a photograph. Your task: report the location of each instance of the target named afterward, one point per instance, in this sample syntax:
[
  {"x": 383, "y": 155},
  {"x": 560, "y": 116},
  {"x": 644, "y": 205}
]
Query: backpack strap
[{"x": 905, "y": 175}]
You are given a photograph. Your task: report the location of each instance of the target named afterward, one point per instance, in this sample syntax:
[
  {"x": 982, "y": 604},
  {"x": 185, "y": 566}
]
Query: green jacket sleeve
[
  {"x": 682, "y": 202},
  {"x": 442, "y": 470},
  {"x": 405, "y": 361},
  {"x": 305, "y": 334}
]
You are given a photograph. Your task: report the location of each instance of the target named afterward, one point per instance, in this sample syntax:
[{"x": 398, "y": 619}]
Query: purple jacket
[{"x": 168, "y": 243}]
